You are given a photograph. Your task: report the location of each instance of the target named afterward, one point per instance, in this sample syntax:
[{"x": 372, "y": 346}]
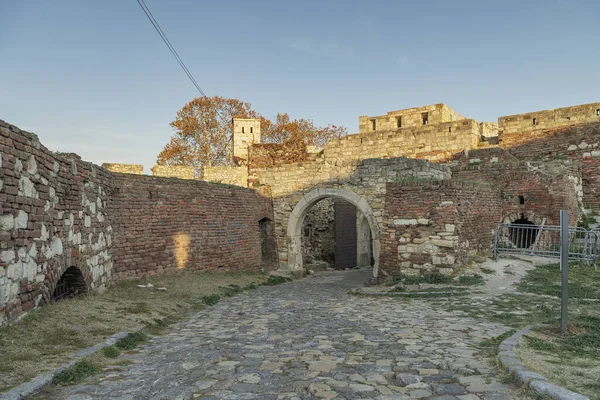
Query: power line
[{"x": 165, "y": 39}]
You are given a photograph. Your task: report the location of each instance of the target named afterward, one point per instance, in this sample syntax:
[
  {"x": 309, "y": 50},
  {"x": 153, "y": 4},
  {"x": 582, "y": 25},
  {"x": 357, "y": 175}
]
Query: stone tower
[{"x": 246, "y": 131}]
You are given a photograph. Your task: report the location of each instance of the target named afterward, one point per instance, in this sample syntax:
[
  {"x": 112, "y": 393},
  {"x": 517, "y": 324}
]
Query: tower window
[
  {"x": 242, "y": 129},
  {"x": 373, "y": 124},
  {"x": 399, "y": 122},
  {"x": 450, "y": 117},
  {"x": 598, "y": 112},
  {"x": 449, "y": 129},
  {"x": 251, "y": 130},
  {"x": 521, "y": 199},
  {"x": 535, "y": 121},
  {"x": 425, "y": 118}
]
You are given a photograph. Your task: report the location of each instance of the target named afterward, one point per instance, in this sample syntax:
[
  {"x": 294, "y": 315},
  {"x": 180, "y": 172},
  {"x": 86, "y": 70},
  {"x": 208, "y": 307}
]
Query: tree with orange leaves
[{"x": 204, "y": 128}]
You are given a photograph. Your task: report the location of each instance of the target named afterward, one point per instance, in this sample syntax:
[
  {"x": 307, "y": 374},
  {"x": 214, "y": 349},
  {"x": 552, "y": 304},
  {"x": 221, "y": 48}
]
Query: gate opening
[
  {"x": 70, "y": 284},
  {"x": 523, "y": 236}
]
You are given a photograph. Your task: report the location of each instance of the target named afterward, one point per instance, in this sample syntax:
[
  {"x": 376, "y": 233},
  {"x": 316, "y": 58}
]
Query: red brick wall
[
  {"x": 152, "y": 216},
  {"x": 545, "y": 191},
  {"x": 57, "y": 212},
  {"x": 464, "y": 213},
  {"x": 52, "y": 217},
  {"x": 583, "y": 142}
]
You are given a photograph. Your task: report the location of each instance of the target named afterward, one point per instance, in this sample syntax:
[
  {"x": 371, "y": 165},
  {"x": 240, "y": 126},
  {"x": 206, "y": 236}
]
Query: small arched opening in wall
[
  {"x": 295, "y": 232},
  {"x": 268, "y": 245},
  {"x": 70, "y": 284},
  {"x": 525, "y": 234}
]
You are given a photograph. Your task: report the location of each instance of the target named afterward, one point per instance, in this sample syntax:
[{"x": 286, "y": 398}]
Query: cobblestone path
[{"x": 309, "y": 339}]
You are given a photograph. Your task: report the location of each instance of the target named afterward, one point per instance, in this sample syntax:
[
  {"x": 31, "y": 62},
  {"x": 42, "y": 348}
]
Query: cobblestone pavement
[{"x": 309, "y": 339}]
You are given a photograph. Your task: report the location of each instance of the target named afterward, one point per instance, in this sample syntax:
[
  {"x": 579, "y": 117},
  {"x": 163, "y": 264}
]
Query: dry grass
[{"x": 48, "y": 337}]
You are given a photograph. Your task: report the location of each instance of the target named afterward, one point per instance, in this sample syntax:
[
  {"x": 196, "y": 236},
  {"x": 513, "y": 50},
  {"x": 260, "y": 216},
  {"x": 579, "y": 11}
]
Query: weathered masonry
[
  {"x": 69, "y": 226},
  {"x": 427, "y": 186}
]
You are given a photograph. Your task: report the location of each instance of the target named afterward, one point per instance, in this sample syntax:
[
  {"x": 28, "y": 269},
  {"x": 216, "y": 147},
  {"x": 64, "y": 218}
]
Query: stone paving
[{"x": 309, "y": 339}]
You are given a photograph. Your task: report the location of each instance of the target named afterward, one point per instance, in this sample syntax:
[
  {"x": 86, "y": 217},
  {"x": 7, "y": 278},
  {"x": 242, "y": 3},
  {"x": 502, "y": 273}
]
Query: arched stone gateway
[{"x": 294, "y": 227}]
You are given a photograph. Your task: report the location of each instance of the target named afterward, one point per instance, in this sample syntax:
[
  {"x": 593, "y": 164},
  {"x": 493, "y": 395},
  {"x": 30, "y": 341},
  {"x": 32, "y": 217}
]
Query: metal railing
[{"x": 544, "y": 241}]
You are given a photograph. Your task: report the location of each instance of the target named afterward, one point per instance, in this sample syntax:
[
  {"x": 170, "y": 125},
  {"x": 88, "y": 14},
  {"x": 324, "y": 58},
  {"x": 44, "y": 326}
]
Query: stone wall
[
  {"x": 318, "y": 241},
  {"x": 53, "y": 216},
  {"x": 136, "y": 169},
  {"x": 432, "y": 142},
  {"x": 163, "y": 224},
  {"x": 230, "y": 175},
  {"x": 59, "y": 213},
  {"x": 548, "y": 119},
  {"x": 435, "y": 225},
  {"x": 174, "y": 171},
  {"x": 408, "y": 118}
]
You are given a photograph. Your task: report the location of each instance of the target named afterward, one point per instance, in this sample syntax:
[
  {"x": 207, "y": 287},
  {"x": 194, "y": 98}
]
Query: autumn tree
[{"x": 204, "y": 128}]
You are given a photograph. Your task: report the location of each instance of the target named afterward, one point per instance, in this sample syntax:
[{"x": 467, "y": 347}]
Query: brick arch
[
  {"x": 530, "y": 215},
  {"x": 70, "y": 258},
  {"x": 294, "y": 227}
]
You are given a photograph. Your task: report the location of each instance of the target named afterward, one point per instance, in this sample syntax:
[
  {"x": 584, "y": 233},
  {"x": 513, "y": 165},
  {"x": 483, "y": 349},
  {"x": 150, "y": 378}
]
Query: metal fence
[{"x": 544, "y": 241}]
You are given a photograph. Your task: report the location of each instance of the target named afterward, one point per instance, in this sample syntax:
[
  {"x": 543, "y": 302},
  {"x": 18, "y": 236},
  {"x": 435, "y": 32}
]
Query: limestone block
[
  {"x": 27, "y": 188},
  {"x": 18, "y": 166},
  {"x": 443, "y": 243},
  {"x": 595, "y": 153},
  {"x": 583, "y": 145},
  {"x": 7, "y": 256},
  {"x": 419, "y": 240},
  {"x": 450, "y": 227},
  {"x": 405, "y": 222},
  {"x": 402, "y": 249},
  {"x": 56, "y": 246},
  {"x": 14, "y": 271},
  {"x": 88, "y": 221},
  {"x": 436, "y": 260},
  {"x": 423, "y": 221},
  {"x": 446, "y": 203},
  {"x": 572, "y": 147},
  {"x": 6, "y": 222},
  {"x": 31, "y": 165},
  {"x": 21, "y": 220}
]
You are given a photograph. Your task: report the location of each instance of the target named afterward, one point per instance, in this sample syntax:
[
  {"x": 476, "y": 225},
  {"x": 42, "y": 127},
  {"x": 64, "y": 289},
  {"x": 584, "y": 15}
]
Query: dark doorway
[
  {"x": 523, "y": 236},
  {"x": 267, "y": 241},
  {"x": 345, "y": 235},
  {"x": 70, "y": 284}
]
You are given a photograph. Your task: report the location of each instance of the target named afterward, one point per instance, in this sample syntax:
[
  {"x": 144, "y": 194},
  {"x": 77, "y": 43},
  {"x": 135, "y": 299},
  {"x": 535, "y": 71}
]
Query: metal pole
[{"x": 564, "y": 265}]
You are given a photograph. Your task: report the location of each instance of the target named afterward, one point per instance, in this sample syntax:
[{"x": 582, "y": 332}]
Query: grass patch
[
  {"x": 469, "y": 280},
  {"x": 276, "y": 280},
  {"x": 47, "y": 337},
  {"x": 111, "y": 352},
  {"x": 211, "y": 299},
  {"x": 431, "y": 278},
  {"x": 584, "y": 281},
  {"x": 488, "y": 271},
  {"x": 76, "y": 374},
  {"x": 131, "y": 341}
]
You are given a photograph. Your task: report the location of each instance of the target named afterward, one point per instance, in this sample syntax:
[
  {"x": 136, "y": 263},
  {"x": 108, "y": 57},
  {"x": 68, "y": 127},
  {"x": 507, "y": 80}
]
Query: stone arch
[
  {"x": 56, "y": 269},
  {"x": 294, "y": 227},
  {"x": 529, "y": 215}
]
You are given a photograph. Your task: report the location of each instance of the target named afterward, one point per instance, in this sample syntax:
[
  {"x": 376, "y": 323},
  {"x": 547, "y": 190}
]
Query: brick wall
[
  {"x": 53, "y": 215},
  {"x": 434, "y": 225},
  {"x": 162, "y": 224},
  {"x": 579, "y": 144},
  {"x": 58, "y": 212}
]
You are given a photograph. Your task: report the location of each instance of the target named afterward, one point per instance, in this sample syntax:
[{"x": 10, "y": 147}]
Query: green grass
[
  {"x": 211, "y": 299},
  {"x": 468, "y": 280},
  {"x": 584, "y": 281},
  {"x": 76, "y": 374},
  {"x": 431, "y": 278},
  {"x": 111, "y": 352},
  {"x": 131, "y": 341},
  {"x": 276, "y": 280}
]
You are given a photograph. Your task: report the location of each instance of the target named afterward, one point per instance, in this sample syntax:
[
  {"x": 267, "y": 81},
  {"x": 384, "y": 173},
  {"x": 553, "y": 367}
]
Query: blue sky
[{"x": 93, "y": 77}]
